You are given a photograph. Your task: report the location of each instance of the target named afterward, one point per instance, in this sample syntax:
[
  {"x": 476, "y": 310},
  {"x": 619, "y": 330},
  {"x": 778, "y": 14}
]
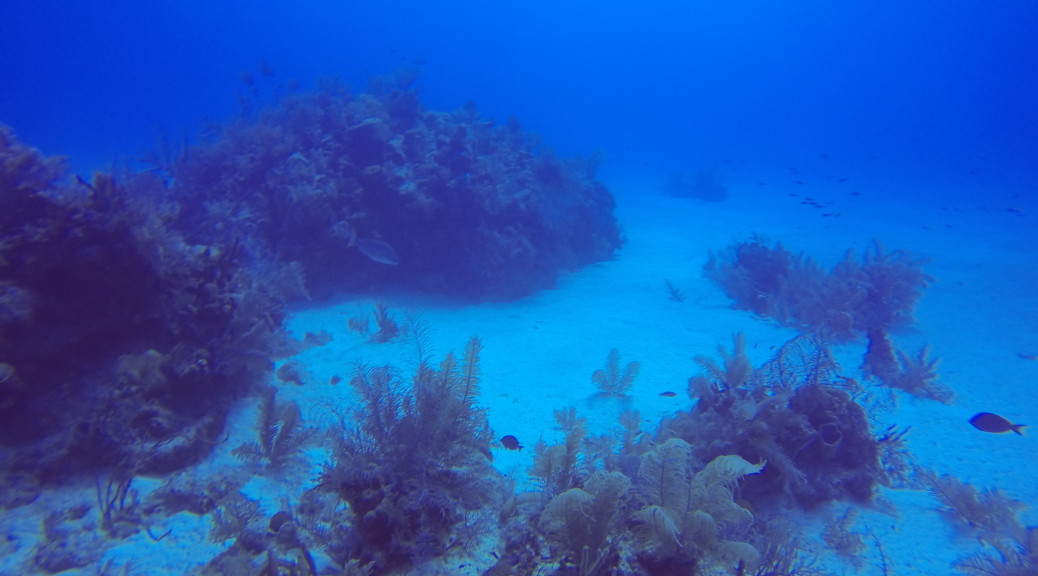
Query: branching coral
[
  {"x": 735, "y": 367},
  {"x": 730, "y": 375},
  {"x": 1004, "y": 559},
  {"x": 916, "y": 375},
  {"x": 879, "y": 291},
  {"x": 280, "y": 430},
  {"x": 987, "y": 514},
  {"x": 614, "y": 381},
  {"x": 990, "y": 516},
  {"x": 556, "y": 465},
  {"x": 387, "y": 326},
  {"x": 415, "y": 467},
  {"x": 792, "y": 412}
]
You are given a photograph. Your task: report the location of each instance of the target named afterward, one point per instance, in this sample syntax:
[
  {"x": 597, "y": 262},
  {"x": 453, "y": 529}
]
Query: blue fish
[{"x": 988, "y": 422}]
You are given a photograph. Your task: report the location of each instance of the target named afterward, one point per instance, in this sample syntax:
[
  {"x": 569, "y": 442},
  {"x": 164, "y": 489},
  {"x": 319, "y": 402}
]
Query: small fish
[
  {"x": 6, "y": 372},
  {"x": 1021, "y": 355},
  {"x": 335, "y": 380},
  {"x": 511, "y": 443},
  {"x": 278, "y": 520},
  {"x": 377, "y": 251},
  {"x": 668, "y": 394},
  {"x": 994, "y": 423}
]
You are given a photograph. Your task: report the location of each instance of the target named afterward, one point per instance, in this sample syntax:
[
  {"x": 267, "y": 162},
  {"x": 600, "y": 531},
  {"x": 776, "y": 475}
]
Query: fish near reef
[
  {"x": 511, "y": 443},
  {"x": 278, "y": 520},
  {"x": 377, "y": 251},
  {"x": 988, "y": 422}
]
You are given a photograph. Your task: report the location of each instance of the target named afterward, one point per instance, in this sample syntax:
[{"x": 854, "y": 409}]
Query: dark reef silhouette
[{"x": 456, "y": 203}]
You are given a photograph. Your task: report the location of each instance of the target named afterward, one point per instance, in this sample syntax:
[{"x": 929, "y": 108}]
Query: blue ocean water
[
  {"x": 817, "y": 124},
  {"x": 937, "y": 93}
]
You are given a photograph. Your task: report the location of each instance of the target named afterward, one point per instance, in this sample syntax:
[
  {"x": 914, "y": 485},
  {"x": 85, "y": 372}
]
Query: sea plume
[{"x": 613, "y": 380}]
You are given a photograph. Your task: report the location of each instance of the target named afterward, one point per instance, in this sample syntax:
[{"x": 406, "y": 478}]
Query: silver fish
[{"x": 377, "y": 251}]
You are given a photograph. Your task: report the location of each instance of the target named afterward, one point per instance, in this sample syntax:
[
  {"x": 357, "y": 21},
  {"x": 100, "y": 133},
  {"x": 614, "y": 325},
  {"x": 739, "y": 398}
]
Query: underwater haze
[
  {"x": 502, "y": 288},
  {"x": 940, "y": 93}
]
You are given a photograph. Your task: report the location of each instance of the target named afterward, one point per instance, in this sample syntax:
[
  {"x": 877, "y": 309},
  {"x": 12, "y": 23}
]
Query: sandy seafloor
[{"x": 539, "y": 353}]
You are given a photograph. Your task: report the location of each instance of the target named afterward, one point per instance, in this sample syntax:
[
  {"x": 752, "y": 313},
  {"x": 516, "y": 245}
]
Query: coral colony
[{"x": 135, "y": 308}]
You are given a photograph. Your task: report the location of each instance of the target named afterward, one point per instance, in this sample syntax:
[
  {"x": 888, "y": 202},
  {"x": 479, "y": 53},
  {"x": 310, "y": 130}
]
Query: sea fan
[
  {"x": 580, "y": 520},
  {"x": 802, "y": 361},
  {"x": 693, "y": 514}
]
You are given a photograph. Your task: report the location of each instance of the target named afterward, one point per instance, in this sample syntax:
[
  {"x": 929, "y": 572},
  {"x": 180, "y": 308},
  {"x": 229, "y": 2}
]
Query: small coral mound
[
  {"x": 793, "y": 412},
  {"x": 877, "y": 292}
]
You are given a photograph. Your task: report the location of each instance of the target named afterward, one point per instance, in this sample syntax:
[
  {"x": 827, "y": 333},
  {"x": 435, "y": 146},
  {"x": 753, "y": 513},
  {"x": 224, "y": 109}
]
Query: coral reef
[
  {"x": 137, "y": 306},
  {"x": 372, "y": 191},
  {"x": 415, "y": 468},
  {"x": 579, "y": 521},
  {"x": 278, "y": 545},
  {"x": 690, "y": 518},
  {"x": 794, "y": 413},
  {"x": 846, "y": 542},
  {"x": 877, "y": 292},
  {"x": 556, "y": 466},
  {"x": 699, "y": 498},
  {"x": 69, "y": 542},
  {"x": 124, "y": 343}
]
